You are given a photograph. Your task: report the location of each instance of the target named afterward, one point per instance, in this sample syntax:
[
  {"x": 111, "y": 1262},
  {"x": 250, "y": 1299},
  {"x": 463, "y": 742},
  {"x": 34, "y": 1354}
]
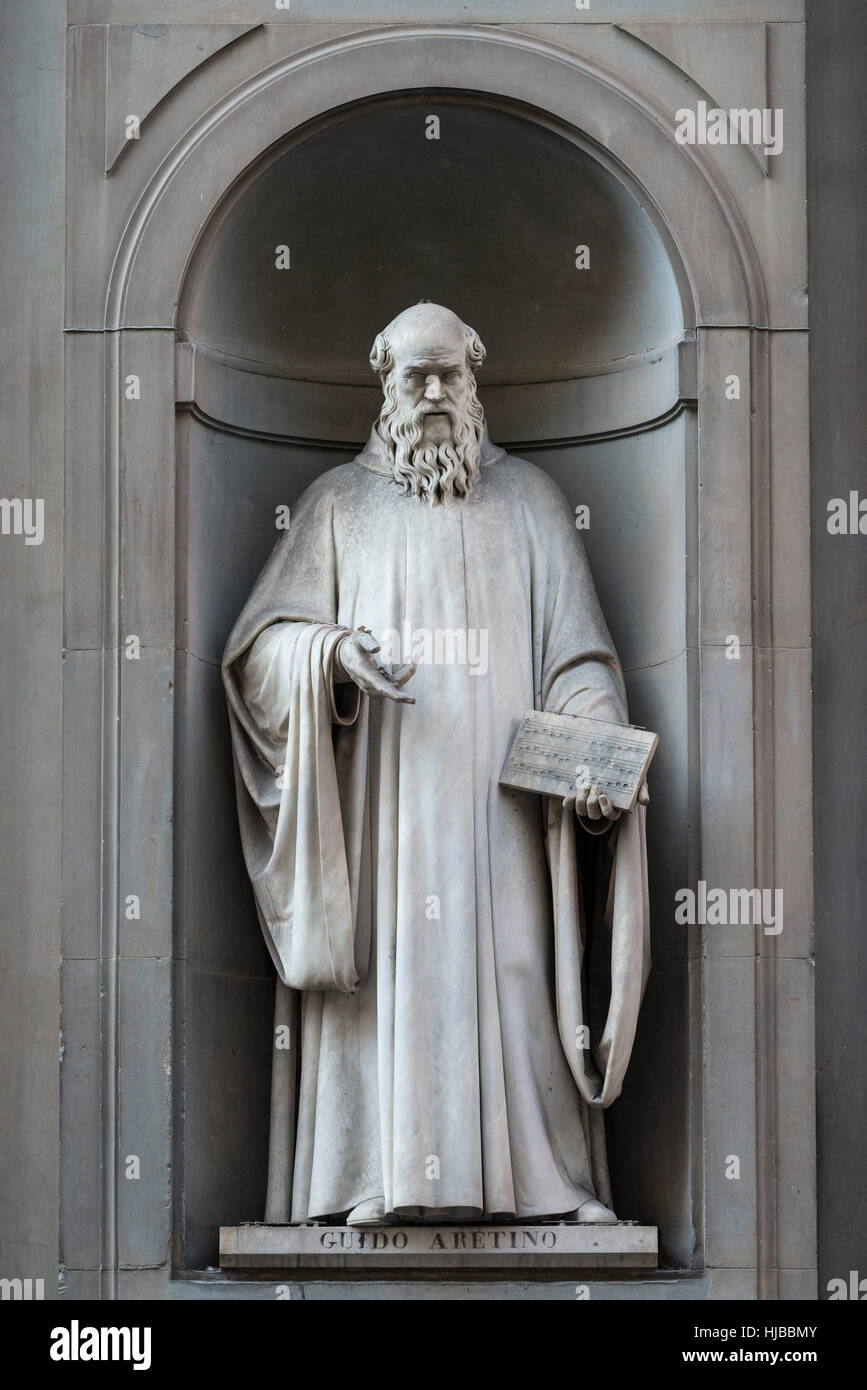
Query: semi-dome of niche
[{"x": 485, "y": 219}]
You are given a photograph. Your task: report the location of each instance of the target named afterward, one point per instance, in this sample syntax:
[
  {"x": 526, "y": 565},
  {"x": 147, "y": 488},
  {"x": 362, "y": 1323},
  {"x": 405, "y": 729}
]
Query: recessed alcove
[{"x": 585, "y": 375}]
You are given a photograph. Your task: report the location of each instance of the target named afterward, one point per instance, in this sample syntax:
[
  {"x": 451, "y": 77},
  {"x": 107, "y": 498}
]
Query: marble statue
[{"x": 470, "y": 959}]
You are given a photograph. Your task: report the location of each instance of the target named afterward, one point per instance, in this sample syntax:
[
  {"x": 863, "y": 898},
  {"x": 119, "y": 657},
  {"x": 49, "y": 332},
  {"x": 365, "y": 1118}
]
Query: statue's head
[{"x": 431, "y": 420}]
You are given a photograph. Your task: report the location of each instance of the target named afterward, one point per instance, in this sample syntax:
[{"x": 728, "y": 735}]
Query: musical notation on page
[{"x": 553, "y": 753}]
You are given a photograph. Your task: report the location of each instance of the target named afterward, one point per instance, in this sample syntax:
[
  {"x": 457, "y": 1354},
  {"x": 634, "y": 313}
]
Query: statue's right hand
[{"x": 355, "y": 657}]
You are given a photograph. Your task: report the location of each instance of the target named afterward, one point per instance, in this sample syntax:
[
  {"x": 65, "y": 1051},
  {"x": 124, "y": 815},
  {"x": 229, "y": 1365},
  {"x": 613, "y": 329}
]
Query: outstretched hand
[{"x": 356, "y": 658}]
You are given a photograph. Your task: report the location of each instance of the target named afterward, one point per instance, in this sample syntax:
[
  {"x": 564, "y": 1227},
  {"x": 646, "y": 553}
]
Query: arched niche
[
  {"x": 587, "y": 374},
  {"x": 432, "y": 195},
  {"x": 174, "y": 576}
]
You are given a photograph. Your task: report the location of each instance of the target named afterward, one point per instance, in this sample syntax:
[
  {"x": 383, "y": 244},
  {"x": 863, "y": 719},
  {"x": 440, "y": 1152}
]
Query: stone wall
[
  {"x": 836, "y": 105},
  {"x": 215, "y": 97}
]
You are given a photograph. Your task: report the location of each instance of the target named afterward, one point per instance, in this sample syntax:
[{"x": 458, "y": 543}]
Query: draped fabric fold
[
  {"x": 619, "y": 923},
  {"x": 301, "y": 841}
]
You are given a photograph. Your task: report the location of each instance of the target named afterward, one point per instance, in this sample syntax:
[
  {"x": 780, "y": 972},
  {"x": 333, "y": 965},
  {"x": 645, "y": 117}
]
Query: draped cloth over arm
[
  {"x": 601, "y": 917},
  {"x": 299, "y": 744}
]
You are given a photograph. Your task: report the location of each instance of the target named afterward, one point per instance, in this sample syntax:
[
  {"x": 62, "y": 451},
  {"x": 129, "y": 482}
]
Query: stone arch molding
[{"x": 713, "y": 252}]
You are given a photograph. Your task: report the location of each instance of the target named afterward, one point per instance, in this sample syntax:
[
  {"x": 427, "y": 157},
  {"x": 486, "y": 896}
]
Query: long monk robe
[{"x": 454, "y": 940}]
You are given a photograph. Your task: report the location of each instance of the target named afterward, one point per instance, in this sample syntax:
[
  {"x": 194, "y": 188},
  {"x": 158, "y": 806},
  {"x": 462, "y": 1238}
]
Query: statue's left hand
[{"x": 591, "y": 802}]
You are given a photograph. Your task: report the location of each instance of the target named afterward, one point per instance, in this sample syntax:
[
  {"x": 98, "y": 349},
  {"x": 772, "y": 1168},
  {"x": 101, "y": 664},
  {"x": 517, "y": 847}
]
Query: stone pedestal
[{"x": 483, "y": 1247}]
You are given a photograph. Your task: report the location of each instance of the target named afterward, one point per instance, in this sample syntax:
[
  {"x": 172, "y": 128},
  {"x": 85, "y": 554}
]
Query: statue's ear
[
  {"x": 380, "y": 354},
  {"x": 476, "y": 353}
]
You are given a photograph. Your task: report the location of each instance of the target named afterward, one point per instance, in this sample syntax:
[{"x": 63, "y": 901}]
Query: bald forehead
[{"x": 429, "y": 332}]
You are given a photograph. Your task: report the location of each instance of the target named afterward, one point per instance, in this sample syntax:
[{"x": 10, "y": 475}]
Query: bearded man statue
[
  {"x": 460, "y": 964},
  {"x": 435, "y": 441}
]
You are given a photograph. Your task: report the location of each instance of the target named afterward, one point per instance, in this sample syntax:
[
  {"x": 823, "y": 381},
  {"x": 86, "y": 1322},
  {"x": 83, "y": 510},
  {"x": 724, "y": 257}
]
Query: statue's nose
[{"x": 433, "y": 389}]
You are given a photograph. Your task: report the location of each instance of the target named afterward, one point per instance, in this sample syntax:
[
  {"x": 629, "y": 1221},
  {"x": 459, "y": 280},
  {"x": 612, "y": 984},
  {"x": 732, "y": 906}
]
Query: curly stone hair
[{"x": 382, "y": 358}]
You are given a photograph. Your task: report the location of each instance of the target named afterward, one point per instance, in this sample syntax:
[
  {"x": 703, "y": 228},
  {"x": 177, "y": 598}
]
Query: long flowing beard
[{"x": 432, "y": 472}]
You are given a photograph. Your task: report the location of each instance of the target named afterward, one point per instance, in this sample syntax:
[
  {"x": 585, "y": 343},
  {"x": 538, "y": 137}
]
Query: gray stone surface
[
  {"x": 79, "y": 1285},
  {"x": 232, "y": 487},
  {"x": 31, "y": 226},
  {"x": 147, "y": 538},
  {"x": 81, "y": 806},
  {"x": 662, "y": 1288},
  {"x": 796, "y": 1149},
  {"x": 635, "y": 542},
  {"x": 438, "y": 1247},
  {"x": 729, "y": 1130},
  {"x": 724, "y": 475},
  {"x": 224, "y": 1130},
  {"x": 143, "y": 1114},
  {"x": 80, "y": 1118},
  {"x": 793, "y": 812},
  {"x": 650, "y": 1120},
  {"x": 836, "y": 39},
  {"x": 790, "y": 481},
  {"x": 402, "y": 11},
  {"x": 215, "y": 918},
  {"x": 798, "y": 1285},
  {"x": 142, "y": 1285},
  {"x": 732, "y": 1285},
  {"x": 145, "y": 756},
  {"x": 83, "y": 496},
  {"x": 727, "y": 809},
  {"x": 144, "y": 62}
]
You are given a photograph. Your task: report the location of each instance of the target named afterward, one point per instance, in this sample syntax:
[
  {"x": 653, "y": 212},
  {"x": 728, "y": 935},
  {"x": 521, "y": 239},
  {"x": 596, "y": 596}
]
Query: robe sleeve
[
  {"x": 599, "y": 884},
  {"x": 299, "y": 747}
]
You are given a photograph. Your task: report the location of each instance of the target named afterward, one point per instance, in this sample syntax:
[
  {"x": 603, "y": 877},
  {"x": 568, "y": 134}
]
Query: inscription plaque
[{"x": 260, "y": 1246}]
